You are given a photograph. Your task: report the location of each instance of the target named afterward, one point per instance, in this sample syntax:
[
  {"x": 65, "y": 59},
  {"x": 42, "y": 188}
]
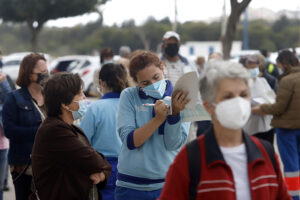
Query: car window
[
  {"x": 86, "y": 64},
  {"x": 12, "y": 62},
  {"x": 64, "y": 65}
]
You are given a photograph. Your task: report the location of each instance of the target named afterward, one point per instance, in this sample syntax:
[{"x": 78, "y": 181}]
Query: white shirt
[
  {"x": 174, "y": 70},
  {"x": 260, "y": 90},
  {"x": 236, "y": 158}
]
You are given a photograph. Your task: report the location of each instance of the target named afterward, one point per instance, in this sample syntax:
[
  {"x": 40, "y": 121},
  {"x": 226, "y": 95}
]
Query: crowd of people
[{"x": 131, "y": 143}]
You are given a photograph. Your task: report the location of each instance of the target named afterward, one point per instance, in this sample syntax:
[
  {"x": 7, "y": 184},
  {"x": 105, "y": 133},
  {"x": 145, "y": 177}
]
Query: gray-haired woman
[{"x": 234, "y": 165}]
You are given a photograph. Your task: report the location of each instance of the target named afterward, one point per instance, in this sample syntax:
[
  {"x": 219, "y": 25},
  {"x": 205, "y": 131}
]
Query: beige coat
[{"x": 286, "y": 109}]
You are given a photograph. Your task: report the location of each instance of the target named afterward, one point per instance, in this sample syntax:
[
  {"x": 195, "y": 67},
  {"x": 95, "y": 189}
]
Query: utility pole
[
  {"x": 175, "y": 19},
  {"x": 245, "y": 31}
]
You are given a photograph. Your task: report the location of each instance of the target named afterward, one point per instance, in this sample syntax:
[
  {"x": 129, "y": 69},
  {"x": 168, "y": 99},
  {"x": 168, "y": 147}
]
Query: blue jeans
[
  {"x": 3, "y": 169},
  {"x": 122, "y": 193},
  {"x": 109, "y": 190},
  {"x": 288, "y": 141}
]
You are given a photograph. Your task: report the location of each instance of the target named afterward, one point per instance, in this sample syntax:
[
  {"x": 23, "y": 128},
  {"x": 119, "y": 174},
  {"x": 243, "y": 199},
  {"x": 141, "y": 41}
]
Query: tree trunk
[
  {"x": 34, "y": 31},
  {"x": 236, "y": 11},
  {"x": 142, "y": 37}
]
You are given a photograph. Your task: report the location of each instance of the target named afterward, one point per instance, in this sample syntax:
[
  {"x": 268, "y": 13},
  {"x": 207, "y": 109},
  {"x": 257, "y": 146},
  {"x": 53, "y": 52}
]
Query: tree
[
  {"x": 236, "y": 11},
  {"x": 37, "y": 12}
]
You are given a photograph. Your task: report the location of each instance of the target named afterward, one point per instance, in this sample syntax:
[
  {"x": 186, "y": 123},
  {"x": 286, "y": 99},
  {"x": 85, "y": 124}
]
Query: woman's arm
[
  {"x": 176, "y": 132},
  {"x": 284, "y": 95},
  {"x": 141, "y": 135}
]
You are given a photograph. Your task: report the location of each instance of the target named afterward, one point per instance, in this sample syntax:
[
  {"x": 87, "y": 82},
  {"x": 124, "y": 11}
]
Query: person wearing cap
[
  {"x": 175, "y": 64},
  {"x": 258, "y": 125}
]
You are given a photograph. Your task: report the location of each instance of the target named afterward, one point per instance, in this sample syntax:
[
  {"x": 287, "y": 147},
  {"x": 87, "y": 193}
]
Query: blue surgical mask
[
  {"x": 83, "y": 106},
  {"x": 280, "y": 71},
  {"x": 156, "y": 90},
  {"x": 254, "y": 72}
]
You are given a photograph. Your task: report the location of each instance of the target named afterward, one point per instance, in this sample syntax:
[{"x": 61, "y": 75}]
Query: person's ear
[
  {"x": 162, "y": 66},
  {"x": 64, "y": 106},
  {"x": 209, "y": 107}
]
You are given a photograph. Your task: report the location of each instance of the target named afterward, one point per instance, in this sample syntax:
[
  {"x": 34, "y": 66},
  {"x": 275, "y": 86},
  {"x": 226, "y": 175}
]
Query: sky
[{"x": 117, "y": 11}]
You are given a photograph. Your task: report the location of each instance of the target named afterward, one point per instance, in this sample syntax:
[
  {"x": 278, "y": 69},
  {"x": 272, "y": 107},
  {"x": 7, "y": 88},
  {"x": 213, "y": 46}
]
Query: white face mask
[{"x": 233, "y": 113}]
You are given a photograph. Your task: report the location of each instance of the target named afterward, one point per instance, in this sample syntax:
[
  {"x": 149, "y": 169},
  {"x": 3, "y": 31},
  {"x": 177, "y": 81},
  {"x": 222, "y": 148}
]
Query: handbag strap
[{"x": 38, "y": 108}]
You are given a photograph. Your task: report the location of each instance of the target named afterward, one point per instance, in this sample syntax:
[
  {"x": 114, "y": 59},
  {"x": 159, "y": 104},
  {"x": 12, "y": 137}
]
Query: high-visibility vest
[{"x": 270, "y": 68}]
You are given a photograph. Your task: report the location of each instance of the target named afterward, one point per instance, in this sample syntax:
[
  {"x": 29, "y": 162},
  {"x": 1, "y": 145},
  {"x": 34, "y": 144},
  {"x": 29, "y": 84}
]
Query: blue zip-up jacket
[
  {"x": 21, "y": 121},
  {"x": 144, "y": 168},
  {"x": 100, "y": 127}
]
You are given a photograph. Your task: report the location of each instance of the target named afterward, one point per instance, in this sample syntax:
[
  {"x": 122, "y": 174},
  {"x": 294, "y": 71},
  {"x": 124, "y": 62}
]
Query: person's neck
[
  {"x": 34, "y": 89},
  {"x": 172, "y": 59},
  {"x": 67, "y": 117},
  {"x": 227, "y": 137},
  {"x": 107, "y": 90}
]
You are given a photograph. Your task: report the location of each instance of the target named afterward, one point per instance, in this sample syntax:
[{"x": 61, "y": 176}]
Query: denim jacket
[{"x": 21, "y": 120}]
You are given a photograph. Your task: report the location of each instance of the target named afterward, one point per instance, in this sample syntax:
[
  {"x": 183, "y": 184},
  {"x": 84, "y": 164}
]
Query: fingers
[{"x": 102, "y": 176}]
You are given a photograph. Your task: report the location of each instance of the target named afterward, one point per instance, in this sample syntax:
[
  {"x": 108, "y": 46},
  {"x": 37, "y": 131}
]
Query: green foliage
[
  {"x": 94, "y": 36},
  {"x": 43, "y": 10}
]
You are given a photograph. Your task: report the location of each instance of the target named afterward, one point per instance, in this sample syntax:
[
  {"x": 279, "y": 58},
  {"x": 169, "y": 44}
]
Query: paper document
[
  {"x": 198, "y": 113},
  {"x": 193, "y": 110},
  {"x": 189, "y": 82}
]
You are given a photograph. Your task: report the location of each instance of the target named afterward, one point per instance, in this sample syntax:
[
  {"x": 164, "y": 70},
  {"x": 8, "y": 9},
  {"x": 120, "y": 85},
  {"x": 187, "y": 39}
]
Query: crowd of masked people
[{"x": 131, "y": 143}]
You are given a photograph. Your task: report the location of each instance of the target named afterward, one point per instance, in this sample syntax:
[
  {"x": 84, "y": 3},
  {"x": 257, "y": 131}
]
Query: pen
[{"x": 149, "y": 104}]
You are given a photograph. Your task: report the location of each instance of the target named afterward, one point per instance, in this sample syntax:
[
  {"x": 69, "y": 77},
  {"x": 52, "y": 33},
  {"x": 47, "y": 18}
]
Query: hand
[
  {"x": 179, "y": 100},
  {"x": 97, "y": 177},
  {"x": 161, "y": 110},
  {"x": 256, "y": 110},
  {"x": 2, "y": 77}
]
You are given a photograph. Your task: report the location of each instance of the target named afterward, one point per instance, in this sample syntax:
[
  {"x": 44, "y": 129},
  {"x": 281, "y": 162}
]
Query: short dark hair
[
  {"x": 61, "y": 88},
  {"x": 115, "y": 76},
  {"x": 106, "y": 53},
  {"x": 287, "y": 58},
  {"x": 142, "y": 60},
  {"x": 26, "y": 68}
]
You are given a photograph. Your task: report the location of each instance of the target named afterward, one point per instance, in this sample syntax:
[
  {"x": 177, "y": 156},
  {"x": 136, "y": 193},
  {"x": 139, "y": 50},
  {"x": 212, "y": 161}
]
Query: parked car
[
  {"x": 11, "y": 63},
  {"x": 81, "y": 64}
]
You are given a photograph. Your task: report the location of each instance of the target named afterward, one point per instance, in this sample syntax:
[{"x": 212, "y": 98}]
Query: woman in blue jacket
[
  {"x": 99, "y": 122},
  {"x": 151, "y": 138},
  {"x": 22, "y": 115}
]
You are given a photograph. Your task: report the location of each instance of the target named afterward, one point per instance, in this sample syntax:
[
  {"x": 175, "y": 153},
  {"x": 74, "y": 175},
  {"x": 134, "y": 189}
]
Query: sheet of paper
[
  {"x": 189, "y": 82},
  {"x": 198, "y": 113}
]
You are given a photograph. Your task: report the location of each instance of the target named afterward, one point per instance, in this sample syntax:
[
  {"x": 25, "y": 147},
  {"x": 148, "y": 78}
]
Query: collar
[
  {"x": 213, "y": 152},
  {"x": 111, "y": 95},
  {"x": 168, "y": 92},
  {"x": 25, "y": 93}
]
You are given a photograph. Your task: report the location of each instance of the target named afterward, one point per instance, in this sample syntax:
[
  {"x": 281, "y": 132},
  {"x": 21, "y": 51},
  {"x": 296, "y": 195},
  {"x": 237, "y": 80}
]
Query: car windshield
[{"x": 11, "y": 63}]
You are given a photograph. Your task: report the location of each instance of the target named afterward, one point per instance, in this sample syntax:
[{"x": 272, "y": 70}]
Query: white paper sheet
[
  {"x": 189, "y": 82},
  {"x": 194, "y": 111}
]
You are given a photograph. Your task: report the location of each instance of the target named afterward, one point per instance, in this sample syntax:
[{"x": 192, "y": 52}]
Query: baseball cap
[{"x": 170, "y": 34}]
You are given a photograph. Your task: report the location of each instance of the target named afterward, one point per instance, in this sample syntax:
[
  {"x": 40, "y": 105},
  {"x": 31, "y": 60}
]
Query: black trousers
[
  {"x": 269, "y": 135},
  {"x": 22, "y": 186}
]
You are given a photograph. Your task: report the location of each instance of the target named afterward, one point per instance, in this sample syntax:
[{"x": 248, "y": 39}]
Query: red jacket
[{"x": 216, "y": 177}]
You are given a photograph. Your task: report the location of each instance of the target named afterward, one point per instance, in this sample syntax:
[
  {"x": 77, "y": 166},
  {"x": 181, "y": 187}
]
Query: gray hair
[
  {"x": 124, "y": 51},
  {"x": 217, "y": 70}
]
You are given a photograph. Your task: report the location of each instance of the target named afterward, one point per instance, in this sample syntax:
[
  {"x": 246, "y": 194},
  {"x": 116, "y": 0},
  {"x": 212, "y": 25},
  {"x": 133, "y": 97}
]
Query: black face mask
[
  {"x": 41, "y": 78},
  {"x": 172, "y": 49}
]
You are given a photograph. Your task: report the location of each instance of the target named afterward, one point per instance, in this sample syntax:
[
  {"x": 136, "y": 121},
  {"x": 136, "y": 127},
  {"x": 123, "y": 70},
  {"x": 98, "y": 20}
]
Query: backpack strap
[
  {"x": 269, "y": 148},
  {"x": 194, "y": 159}
]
